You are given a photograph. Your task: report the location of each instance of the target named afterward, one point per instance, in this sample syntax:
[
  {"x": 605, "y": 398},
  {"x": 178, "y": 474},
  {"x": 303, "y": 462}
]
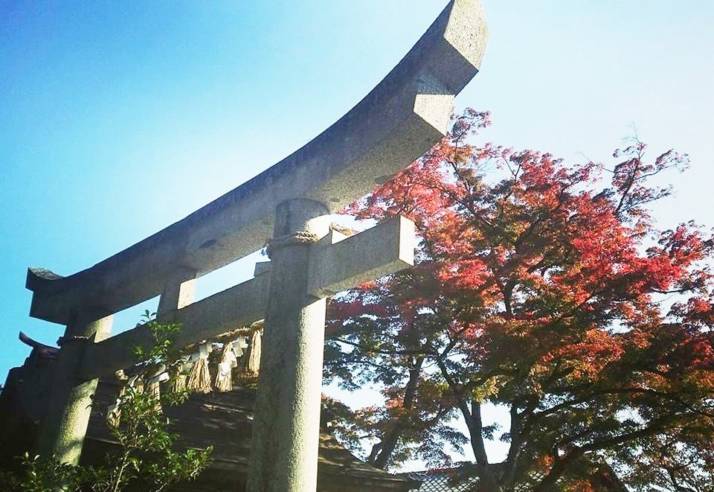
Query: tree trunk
[
  {"x": 391, "y": 438},
  {"x": 487, "y": 480}
]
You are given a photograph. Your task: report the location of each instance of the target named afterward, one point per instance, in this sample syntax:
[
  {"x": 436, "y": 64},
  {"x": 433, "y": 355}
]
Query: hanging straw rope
[
  {"x": 153, "y": 385},
  {"x": 177, "y": 379},
  {"x": 199, "y": 379}
]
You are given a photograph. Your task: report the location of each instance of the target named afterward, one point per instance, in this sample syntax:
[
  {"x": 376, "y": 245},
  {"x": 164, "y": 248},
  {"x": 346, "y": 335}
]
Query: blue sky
[{"x": 119, "y": 118}]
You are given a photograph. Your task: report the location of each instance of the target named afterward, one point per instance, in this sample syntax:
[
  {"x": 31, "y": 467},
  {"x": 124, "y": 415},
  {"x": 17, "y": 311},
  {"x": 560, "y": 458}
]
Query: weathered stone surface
[
  {"x": 381, "y": 250},
  {"x": 232, "y": 308},
  {"x": 376, "y": 252},
  {"x": 70, "y": 401},
  {"x": 403, "y": 116},
  {"x": 287, "y": 409},
  {"x": 179, "y": 291},
  {"x": 303, "y": 273}
]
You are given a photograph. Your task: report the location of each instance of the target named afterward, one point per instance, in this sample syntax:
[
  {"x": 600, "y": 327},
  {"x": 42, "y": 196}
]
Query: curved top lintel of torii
[{"x": 400, "y": 119}]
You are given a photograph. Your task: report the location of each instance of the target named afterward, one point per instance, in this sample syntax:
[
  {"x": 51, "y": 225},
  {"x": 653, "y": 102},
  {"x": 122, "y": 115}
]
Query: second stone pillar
[{"x": 286, "y": 427}]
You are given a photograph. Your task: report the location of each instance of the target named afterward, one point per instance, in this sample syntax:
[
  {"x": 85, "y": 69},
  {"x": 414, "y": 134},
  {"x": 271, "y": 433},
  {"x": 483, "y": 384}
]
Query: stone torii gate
[{"x": 402, "y": 117}]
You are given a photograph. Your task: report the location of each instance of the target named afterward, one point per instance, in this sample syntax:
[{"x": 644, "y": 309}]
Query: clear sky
[{"x": 119, "y": 118}]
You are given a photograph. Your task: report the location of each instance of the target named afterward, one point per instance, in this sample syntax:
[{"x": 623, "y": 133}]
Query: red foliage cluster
[{"x": 542, "y": 291}]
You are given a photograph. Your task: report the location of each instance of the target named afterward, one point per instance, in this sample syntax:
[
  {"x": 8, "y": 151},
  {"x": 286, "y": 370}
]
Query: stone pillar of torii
[{"x": 291, "y": 202}]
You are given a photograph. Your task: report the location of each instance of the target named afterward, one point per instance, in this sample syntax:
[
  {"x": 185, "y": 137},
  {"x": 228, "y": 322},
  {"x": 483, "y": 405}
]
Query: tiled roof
[
  {"x": 459, "y": 478},
  {"x": 448, "y": 480}
]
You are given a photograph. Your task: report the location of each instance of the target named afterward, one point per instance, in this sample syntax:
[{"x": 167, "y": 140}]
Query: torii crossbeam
[{"x": 401, "y": 118}]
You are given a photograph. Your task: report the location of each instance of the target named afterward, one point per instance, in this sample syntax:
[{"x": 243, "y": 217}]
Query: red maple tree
[{"x": 546, "y": 290}]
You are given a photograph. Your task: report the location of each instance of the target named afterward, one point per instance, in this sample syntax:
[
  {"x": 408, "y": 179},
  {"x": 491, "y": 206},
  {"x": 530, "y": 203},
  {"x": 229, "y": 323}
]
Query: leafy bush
[{"x": 146, "y": 454}]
